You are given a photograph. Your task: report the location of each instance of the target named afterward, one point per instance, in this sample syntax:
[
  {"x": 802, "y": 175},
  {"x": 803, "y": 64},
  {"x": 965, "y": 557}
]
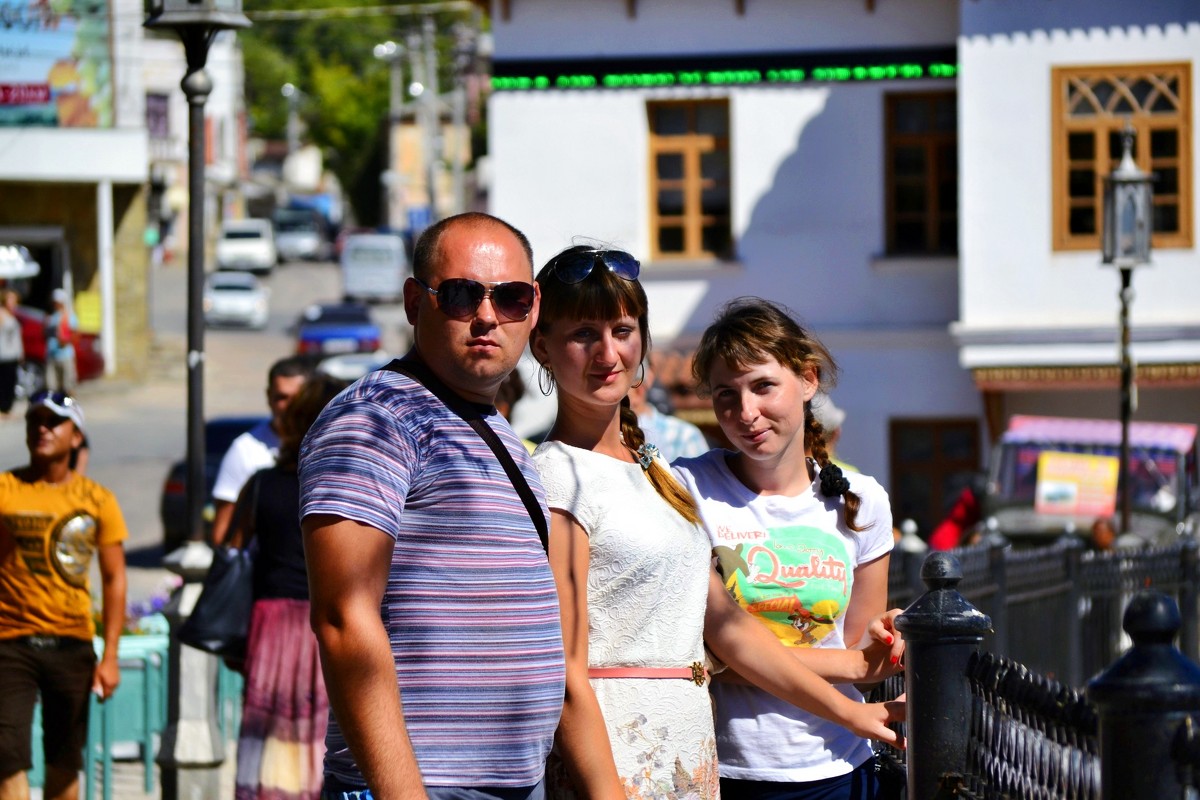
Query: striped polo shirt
[{"x": 470, "y": 607}]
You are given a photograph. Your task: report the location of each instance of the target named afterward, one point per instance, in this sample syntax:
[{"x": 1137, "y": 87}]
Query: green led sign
[{"x": 727, "y": 77}]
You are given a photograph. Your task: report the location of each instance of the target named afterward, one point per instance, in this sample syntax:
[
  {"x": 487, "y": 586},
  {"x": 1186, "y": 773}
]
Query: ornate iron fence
[{"x": 985, "y": 726}]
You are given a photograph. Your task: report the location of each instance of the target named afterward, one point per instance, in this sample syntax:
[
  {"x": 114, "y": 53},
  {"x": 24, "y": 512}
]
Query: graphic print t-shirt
[
  {"x": 796, "y": 579},
  {"x": 790, "y": 562},
  {"x": 49, "y": 534}
]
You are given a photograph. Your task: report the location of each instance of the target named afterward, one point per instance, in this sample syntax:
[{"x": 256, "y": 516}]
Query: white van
[
  {"x": 247, "y": 244},
  {"x": 374, "y": 267}
]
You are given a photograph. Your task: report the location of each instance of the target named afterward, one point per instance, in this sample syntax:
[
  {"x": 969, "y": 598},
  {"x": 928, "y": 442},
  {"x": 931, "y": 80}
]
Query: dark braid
[
  {"x": 833, "y": 482},
  {"x": 661, "y": 479}
]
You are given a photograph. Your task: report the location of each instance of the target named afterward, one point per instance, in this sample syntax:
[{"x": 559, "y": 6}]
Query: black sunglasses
[
  {"x": 459, "y": 298},
  {"x": 575, "y": 266}
]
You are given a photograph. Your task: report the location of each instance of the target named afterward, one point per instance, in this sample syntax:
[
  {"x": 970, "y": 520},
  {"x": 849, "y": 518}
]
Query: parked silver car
[{"x": 236, "y": 298}]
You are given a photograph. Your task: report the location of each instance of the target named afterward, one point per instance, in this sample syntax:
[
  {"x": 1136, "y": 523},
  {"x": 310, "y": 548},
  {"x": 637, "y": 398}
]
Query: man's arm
[
  {"x": 112, "y": 578},
  {"x": 348, "y": 565},
  {"x": 222, "y": 516}
]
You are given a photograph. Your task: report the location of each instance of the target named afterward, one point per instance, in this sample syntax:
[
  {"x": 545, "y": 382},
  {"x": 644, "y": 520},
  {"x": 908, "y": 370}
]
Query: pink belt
[{"x": 695, "y": 673}]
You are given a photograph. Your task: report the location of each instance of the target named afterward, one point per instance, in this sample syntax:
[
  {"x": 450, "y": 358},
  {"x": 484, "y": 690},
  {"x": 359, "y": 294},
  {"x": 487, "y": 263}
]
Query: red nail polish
[
  {"x": 890, "y": 639},
  {"x": 894, "y": 659}
]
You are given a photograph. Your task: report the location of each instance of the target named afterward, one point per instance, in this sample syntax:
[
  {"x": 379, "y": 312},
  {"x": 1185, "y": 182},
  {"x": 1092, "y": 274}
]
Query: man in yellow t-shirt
[{"x": 52, "y": 522}]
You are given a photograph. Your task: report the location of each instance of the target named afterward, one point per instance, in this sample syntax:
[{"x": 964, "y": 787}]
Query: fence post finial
[
  {"x": 942, "y": 630},
  {"x": 1147, "y": 702}
]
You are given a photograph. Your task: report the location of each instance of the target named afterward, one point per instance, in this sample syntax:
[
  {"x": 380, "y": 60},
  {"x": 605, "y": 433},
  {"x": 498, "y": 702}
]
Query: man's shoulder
[{"x": 388, "y": 393}]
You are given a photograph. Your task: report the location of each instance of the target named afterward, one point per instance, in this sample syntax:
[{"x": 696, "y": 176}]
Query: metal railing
[
  {"x": 983, "y": 725},
  {"x": 1057, "y": 609}
]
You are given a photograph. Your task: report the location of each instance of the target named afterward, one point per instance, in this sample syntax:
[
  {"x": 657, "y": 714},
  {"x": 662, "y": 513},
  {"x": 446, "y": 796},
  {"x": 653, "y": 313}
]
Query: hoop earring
[
  {"x": 545, "y": 380},
  {"x": 641, "y": 377}
]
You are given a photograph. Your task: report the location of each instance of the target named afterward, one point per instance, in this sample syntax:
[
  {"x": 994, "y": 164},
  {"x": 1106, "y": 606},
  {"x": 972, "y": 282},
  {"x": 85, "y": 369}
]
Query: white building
[
  {"x": 1045, "y": 88},
  {"x": 226, "y": 166},
  {"x": 72, "y": 153},
  {"x": 809, "y": 152}
]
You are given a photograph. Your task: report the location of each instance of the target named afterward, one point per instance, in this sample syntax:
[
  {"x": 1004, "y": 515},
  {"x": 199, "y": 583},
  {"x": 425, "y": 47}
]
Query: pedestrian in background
[
  {"x": 53, "y": 522},
  {"x": 800, "y": 544},
  {"x": 12, "y": 350},
  {"x": 830, "y": 418},
  {"x": 258, "y": 447},
  {"x": 285, "y": 711},
  {"x": 432, "y": 600},
  {"x": 59, "y": 329},
  {"x": 674, "y": 437},
  {"x": 509, "y": 394}
]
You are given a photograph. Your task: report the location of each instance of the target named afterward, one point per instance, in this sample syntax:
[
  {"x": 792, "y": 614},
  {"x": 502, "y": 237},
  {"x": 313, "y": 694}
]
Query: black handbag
[{"x": 220, "y": 620}]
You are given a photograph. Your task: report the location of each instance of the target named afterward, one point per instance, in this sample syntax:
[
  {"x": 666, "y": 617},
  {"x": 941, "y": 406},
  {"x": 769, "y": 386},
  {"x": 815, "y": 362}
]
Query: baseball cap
[
  {"x": 830, "y": 416},
  {"x": 61, "y": 404},
  {"x": 59, "y": 296}
]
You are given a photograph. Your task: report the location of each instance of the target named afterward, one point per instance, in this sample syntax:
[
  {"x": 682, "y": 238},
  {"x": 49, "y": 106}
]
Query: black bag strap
[{"x": 420, "y": 373}]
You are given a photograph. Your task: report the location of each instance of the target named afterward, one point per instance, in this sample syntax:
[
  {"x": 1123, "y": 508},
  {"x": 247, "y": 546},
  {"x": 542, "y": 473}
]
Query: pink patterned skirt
[{"x": 281, "y": 745}]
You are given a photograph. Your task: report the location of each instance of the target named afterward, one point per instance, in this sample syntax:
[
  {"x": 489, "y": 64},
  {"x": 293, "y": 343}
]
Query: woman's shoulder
[
  {"x": 698, "y": 468},
  {"x": 864, "y": 485}
]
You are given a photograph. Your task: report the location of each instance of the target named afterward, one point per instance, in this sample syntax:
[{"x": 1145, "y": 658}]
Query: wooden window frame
[
  {"x": 1103, "y": 161},
  {"x": 691, "y": 146},
  {"x": 931, "y": 141},
  {"x": 940, "y": 469}
]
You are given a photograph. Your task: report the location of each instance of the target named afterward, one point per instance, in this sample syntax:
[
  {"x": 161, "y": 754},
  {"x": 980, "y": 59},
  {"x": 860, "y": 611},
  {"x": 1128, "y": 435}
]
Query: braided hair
[
  {"x": 750, "y": 330},
  {"x": 604, "y": 295}
]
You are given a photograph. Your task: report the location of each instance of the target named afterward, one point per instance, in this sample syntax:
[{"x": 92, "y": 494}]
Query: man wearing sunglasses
[
  {"x": 52, "y": 522},
  {"x": 432, "y": 599}
]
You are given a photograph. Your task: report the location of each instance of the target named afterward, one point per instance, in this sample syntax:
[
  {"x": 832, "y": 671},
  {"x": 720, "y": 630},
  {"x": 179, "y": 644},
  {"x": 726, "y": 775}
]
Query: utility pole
[
  {"x": 292, "y": 95},
  {"x": 433, "y": 120},
  {"x": 392, "y": 53}
]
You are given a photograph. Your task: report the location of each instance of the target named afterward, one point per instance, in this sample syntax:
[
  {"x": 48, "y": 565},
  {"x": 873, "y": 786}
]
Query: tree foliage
[{"x": 344, "y": 88}]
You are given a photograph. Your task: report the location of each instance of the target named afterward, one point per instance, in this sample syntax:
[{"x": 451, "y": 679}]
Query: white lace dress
[{"x": 647, "y": 587}]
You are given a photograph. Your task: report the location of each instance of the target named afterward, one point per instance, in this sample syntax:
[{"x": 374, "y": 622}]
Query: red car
[{"x": 89, "y": 361}]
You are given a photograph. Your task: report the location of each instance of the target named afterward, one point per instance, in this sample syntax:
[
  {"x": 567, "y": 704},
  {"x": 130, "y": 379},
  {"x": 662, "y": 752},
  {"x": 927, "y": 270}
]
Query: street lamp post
[
  {"x": 1128, "y": 209},
  {"x": 292, "y": 95},
  {"x": 392, "y": 53},
  {"x": 191, "y": 746}
]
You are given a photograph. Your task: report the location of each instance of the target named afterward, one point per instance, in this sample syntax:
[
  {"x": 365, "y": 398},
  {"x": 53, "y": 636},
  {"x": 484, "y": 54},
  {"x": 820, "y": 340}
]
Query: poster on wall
[{"x": 55, "y": 64}]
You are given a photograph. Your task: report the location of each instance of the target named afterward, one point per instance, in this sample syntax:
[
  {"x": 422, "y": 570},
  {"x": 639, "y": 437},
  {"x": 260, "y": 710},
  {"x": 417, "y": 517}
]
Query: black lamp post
[
  {"x": 196, "y": 22},
  {"x": 1128, "y": 223},
  {"x": 192, "y": 747}
]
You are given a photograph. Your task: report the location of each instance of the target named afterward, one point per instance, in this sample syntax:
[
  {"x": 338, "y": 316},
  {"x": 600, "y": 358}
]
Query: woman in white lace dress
[{"x": 638, "y": 594}]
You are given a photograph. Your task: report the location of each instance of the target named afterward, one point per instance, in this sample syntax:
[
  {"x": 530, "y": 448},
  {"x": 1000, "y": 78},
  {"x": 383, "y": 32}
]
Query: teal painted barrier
[{"x": 134, "y": 718}]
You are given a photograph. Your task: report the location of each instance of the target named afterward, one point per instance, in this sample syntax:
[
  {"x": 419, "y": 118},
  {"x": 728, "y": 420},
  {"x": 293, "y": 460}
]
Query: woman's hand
[
  {"x": 871, "y": 720},
  {"x": 883, "y": 646}
]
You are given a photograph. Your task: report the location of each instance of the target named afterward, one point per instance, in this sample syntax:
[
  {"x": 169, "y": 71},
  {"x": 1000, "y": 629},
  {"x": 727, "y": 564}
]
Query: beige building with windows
[{"x": 917, "y": 179}]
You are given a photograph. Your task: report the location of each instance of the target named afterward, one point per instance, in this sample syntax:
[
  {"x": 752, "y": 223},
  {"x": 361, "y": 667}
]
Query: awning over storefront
[{"x": 1175, "y": 436}]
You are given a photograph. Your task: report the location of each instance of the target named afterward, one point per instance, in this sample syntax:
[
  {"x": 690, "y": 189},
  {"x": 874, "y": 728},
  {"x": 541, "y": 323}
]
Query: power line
[{"x": 408, "y": 9}]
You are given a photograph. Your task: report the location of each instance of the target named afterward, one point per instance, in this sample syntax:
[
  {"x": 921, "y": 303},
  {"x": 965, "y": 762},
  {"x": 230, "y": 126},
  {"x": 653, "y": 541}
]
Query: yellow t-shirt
[{"x": 49, "y": 534}]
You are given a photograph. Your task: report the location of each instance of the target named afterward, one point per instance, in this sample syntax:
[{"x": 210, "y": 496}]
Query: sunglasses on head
[
  {"x": 57, "y": 398},
  {"x": 575, "y": 266},
  {"x": 460, "y": 298}
]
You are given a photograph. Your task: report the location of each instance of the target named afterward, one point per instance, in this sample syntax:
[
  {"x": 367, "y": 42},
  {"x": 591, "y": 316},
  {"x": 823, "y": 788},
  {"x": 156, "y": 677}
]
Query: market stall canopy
[{"x": 16, "y": 262}]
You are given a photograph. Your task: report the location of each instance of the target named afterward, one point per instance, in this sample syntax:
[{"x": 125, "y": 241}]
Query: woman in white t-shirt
[
  {"x": 638, "y": 595},
  {"x": 800, "y": 545}
]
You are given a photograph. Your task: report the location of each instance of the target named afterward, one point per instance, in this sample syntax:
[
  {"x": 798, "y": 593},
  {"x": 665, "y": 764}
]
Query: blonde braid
[{"x": 660, "y": 478}]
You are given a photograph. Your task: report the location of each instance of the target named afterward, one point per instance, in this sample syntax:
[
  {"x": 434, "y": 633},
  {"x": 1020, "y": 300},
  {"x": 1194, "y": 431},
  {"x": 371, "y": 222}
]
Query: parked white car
[
  {"x": 236, "y": 298},
  {"x": 247, "y": 244}
]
